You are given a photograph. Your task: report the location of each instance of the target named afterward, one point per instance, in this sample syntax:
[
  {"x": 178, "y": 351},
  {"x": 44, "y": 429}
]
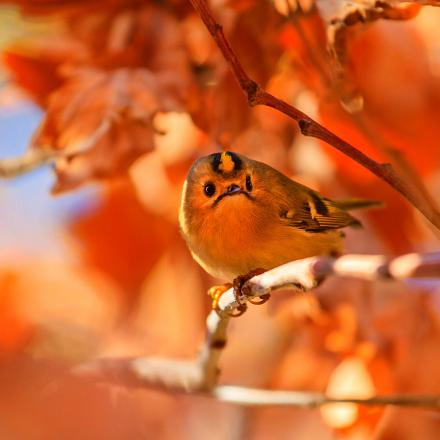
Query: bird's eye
[
  {"x": 248, "y": 183},
  {"x": 209, "y": 189}
]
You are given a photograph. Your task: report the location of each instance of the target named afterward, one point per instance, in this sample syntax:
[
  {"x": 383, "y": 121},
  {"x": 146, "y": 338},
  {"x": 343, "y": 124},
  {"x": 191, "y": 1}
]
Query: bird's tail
[{"x": 349, "y": 204}]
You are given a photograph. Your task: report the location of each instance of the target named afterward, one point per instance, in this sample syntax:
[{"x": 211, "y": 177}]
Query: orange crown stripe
[{"x": 226, "y": 165}]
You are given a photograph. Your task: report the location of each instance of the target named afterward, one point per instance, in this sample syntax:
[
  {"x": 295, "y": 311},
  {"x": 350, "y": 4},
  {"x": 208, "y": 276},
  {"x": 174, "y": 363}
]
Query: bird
[{"x": 240, "y": 217}]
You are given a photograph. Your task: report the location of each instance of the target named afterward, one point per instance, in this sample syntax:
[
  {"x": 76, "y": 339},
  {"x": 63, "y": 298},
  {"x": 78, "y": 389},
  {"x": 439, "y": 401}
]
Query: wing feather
[
  {"x": 316, "y": 214},
  {"x": 303, "y": 208}
]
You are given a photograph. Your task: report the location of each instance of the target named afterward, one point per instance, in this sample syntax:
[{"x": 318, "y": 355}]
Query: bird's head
[{"x": 216, "y": 184}]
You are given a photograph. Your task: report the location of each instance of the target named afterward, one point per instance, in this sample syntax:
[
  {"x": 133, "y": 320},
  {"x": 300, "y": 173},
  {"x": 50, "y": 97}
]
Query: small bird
[{"x": 240, "y": 217}]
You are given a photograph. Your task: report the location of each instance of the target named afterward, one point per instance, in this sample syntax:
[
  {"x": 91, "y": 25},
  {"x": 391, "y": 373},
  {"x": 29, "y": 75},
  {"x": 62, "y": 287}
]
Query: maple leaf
[
  {"x": 101, "y": 122},
  {"x": 35, "y": 75},
  {"x": 128, "y": 63}
]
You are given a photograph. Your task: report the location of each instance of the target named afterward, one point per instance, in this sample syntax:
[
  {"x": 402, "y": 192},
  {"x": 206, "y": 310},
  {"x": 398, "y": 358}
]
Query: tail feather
[{"x": 349, "y": 204}]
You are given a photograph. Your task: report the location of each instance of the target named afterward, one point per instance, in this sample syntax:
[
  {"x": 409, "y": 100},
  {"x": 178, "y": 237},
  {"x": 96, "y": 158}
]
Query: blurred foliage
[{"x": 132, "y": 92}]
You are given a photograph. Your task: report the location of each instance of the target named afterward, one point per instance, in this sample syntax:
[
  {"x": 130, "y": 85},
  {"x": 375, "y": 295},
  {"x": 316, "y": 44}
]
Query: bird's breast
[
  {"x": 225, "y": 239},
  {"x": 234, "y": 241}
]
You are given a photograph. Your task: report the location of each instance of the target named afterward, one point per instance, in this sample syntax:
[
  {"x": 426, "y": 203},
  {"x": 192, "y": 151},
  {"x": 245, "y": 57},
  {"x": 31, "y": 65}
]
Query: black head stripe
[
  {"x": 221, "y": 162},
  {"x": 237, "y": 161},
  {"x": 215, "y": 161}
]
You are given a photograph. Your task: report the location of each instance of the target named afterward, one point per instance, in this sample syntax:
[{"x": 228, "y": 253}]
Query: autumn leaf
[
  {"x": 100, "y": 102},
  {"x": 36, "y": 75},
  {"x": 129, "y": 244},
  {"x": 101, "y": 122},
  {"x": 131, "y": 93}
]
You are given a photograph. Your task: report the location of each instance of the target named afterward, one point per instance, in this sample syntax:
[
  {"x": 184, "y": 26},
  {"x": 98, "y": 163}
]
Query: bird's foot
[
  {"x": 215, "y": 292},
  {"x": 240, "y": 289}
]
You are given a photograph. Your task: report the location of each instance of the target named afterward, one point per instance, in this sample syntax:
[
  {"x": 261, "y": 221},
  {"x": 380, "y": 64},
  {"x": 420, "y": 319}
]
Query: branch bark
[
  {"x": 305, "y": 274},
  {"x": 309, "y": 127},
  {"x": 258, "y": 397},
  {"x": 23, "y": 164},
  {"x": 201, "y": 375},
  {"x": 39, "y": 155}
]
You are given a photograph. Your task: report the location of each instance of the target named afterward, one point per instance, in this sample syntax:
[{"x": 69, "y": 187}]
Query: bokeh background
[{"x": 124, "y": 95}]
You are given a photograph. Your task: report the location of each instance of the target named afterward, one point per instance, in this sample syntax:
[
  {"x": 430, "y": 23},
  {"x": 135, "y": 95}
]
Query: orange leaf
[
  {"x": 102, "y": 121},
  {"x": 123, "y": 239},
  {"x": 37, "y": 75}
]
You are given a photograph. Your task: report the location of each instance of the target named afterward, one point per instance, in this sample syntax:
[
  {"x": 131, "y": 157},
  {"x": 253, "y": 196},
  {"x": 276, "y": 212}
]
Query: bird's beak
[{"x": 232, "y": 189}]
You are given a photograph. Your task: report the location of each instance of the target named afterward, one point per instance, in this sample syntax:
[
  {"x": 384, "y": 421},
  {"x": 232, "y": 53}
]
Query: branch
[
  {"x": 422, "y": 199},
  {"x": 306, "y": 274},
  {"x": 201, "y": 375},
  {"x": 309, "y": 127},
  {"x": 258, "y": 397},
  {"x": 39, "y": 155},
  {"x": 33, "y": 158},
  {"x": 172, "y": 374}
]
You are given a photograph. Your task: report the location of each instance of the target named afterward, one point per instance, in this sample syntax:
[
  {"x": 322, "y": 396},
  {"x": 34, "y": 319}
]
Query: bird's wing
[{"x": 311, "y": 212}]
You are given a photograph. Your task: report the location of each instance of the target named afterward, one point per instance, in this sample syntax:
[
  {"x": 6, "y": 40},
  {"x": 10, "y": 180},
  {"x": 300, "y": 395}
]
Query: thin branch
[
  {"x": 172, "y": 374},
  {"x": 150, "y": 373},
  {"x": 309, "y": 127},
  {"x": 39, "y": 155},
  {"x": 421, "y": 196},
  {"x": 32, "y": 159},
  {"x": 258, "y": 397},
  {"x": 306, "y": 274},
  {"x": 201, "y": 375},
  {"x": 184, "y": 377}
]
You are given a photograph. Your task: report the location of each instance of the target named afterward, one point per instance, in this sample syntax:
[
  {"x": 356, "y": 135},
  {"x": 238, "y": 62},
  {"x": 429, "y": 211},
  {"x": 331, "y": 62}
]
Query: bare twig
[
  {"x": 258, "y": 397},
  {"x": 304, "y": 275},
  {"x": 421, "y": 196},
  {"x": 39, "y": 155},
  {"x": 201, "y": 375},
  {"x": 172, "y": 374},
  {"x": 309, "y": 127},
  {"x": 33, "y": 158}
]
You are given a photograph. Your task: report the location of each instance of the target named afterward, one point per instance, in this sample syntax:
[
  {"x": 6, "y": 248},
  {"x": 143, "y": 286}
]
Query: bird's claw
[
  {"x": 262, "y": 300},
  {"x": 238, "y": 311},
  {"x": 240, "y": 289},
  {"x": 215, "y": 292}
]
